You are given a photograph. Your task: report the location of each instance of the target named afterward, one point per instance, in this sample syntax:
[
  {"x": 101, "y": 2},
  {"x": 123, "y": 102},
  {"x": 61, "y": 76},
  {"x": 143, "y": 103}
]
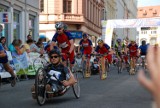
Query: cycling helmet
[
  {"x": 118, "y": 40},
  {"x": 54, "y": 51},
  {"x": 85, "y": 35},
  {"x": 100, "y": 41},
  {"x": 42, "y": 37},
  {"x": 59, "y": 25}
]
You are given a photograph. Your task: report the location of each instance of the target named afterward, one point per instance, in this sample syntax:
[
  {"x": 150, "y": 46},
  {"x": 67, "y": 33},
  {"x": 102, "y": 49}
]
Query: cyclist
[
  {"x": 119, "y": 48},
  {"x": 86, "y": 44},
  {"x": 133, "y": 51},
  {"x": 7, "y": 67},
  {"x": 143, "y": 48},
  {"x": 65, "y": 41},
  {"x": 102, "y": 48},
  {"x": 58, "y": 76}
]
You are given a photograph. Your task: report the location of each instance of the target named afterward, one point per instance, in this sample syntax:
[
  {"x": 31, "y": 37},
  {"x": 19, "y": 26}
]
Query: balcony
[{"x": 72, "y": 18}]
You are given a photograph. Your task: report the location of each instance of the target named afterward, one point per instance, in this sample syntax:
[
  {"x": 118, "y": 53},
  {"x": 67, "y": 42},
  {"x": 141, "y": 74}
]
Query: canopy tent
[{"x": 109, "y": 25}]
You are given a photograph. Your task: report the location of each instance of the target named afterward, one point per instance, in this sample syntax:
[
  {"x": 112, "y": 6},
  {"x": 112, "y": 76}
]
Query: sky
[{"x": 142, "y": 3}]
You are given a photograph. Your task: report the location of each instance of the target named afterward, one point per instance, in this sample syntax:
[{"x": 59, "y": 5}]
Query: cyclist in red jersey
[
  {"x": 87, "y": 49},
  {"x": 103, "y": 48},
  {"x": 133, "y": 52},
  {"x": 65, "y": 42}
]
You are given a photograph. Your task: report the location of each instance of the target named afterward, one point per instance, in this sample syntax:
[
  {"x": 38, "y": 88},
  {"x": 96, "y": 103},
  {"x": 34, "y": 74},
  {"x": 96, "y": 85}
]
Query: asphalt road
[{"x": 117, "y": 91}]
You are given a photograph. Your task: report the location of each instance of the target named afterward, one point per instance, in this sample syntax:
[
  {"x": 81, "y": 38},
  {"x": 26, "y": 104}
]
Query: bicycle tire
[
  {"x": 76, "y": 86},
  {"x": 84, "y": 69},
  {"x": 119, "y": 66},
  {"x": 40, "y": 83},
  {"x": 0, "y": 81},
  {"x": 41, "y": 61},
  {"x": 106, "y": 67}
]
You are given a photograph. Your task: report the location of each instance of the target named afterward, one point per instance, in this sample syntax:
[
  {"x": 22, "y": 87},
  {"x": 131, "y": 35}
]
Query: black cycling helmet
[
  {"x": 100, "y": 41},
  {"x": 118, "y": 40},
  {"x": 85, "y": 35},
  {"x": 54, "y": 51}
]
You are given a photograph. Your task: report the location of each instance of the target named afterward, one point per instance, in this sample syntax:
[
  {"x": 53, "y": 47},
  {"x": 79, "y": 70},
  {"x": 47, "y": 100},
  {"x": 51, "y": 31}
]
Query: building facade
[
  {"x": 149, "y": 34},
  {"x": 24, "y": 19},
  {"x": 126, "y": 9},
  {"x": 81, "y": 16}
]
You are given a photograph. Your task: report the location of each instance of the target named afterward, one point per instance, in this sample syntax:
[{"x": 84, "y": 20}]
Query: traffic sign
[{"x": 5, "y": 17}]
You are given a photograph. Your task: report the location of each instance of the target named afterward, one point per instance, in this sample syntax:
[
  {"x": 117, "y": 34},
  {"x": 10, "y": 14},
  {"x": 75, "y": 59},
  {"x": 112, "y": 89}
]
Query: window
[
  {"x": 4, "y": 27},
  {"x": 67, "y": 6},
  {"x": 31, "y": 25},
  {"x": 41, "y": 5},
  {"x": 16, "y": 28}
]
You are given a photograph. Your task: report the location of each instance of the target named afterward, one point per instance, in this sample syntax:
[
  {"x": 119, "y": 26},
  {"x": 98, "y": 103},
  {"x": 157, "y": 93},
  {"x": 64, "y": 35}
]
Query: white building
[
  {"x": 24, "y": 19},
  {"x": 126, "y": 9}
]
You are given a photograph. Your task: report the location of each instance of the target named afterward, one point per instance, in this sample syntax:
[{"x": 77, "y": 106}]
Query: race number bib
[
  {"x": 56, "y": 73},
  {"x": 85, "y": 44},
  {"x": 63, "y": 45}
]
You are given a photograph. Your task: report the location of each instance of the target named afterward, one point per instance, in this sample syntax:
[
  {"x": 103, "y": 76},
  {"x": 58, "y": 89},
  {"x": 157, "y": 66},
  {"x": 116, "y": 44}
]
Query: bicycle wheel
[
  {"x": 84, "y": 69},
  {"x": 40, "y": 83},
  {"x": 0, "y": 81},
  {"x": 76, "y": 86},
  {"x": 39, "y": 62},
  {"x": 106, "y": 67},
  {"x": 119, "y": 66}
]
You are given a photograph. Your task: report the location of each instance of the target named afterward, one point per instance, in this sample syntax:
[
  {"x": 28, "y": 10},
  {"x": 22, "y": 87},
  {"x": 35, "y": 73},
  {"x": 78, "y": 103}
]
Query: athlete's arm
[
  {"x": 53, "y": 43},
  {"x": 72, "y": 45}
]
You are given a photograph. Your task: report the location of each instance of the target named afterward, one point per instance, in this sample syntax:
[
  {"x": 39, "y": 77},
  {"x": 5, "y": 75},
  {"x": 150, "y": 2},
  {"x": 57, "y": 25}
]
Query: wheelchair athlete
[{"x": 58, "y": 76}]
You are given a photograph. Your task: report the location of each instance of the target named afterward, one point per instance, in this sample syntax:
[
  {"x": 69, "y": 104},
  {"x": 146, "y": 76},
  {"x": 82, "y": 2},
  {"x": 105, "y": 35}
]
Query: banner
[{"x": 109, "y": 25}]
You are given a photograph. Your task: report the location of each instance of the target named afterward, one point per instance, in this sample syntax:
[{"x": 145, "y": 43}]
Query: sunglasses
[
  {"x": 59, "y": 28},
  {"x": 54, "y": 57}
]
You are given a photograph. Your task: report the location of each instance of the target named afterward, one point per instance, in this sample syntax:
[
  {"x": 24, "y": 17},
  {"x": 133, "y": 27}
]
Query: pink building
[
  {"x": 149, "y": 12},
  {"x": 81, "y": 16}
]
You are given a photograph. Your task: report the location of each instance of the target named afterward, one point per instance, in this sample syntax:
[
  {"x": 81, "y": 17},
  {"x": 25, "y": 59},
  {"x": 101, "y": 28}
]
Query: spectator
[
  {"x": 3, "y": 42},
  {"x": 16, "y": 46},
  {"x": 29, "y": 37},
  {"x": 152, "y": 84},
  {"x": 35, "y": 48}
]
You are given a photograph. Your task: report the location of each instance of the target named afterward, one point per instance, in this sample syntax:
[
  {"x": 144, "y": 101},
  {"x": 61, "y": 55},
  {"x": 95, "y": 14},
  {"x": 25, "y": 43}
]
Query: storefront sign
[
  {"x": 5, "y": 17},
  {"x": 76, "y": 34}
]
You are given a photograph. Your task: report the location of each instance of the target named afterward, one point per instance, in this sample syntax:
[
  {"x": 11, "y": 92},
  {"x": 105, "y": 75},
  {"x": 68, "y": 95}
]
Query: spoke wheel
[
  {"x": 84, "y": 69},
  {"x": 119, "y": 66},
  {"x": 76, "y": 86},
  {"x": 40, "y": 83},
  {"x": 0, "y": 81},
  {"x": 39, "y": 62}
]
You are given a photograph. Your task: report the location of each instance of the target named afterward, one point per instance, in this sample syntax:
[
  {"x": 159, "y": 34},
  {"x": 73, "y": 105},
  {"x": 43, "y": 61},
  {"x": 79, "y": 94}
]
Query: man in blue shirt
[
  {"x": 143, "y": 48},
  {"x": 7, "y": 67}
]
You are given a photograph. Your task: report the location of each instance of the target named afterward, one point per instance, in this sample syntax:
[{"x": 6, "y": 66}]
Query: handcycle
[{"x": 41, "y": 82}]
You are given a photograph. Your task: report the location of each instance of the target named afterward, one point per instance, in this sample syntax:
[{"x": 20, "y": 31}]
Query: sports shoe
[
  {"x": 49, "y": 91},
  {"x": 13, "y": 81},
  {"x": 104, "y": 76},
  {"x": 33, "y": 92}
]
